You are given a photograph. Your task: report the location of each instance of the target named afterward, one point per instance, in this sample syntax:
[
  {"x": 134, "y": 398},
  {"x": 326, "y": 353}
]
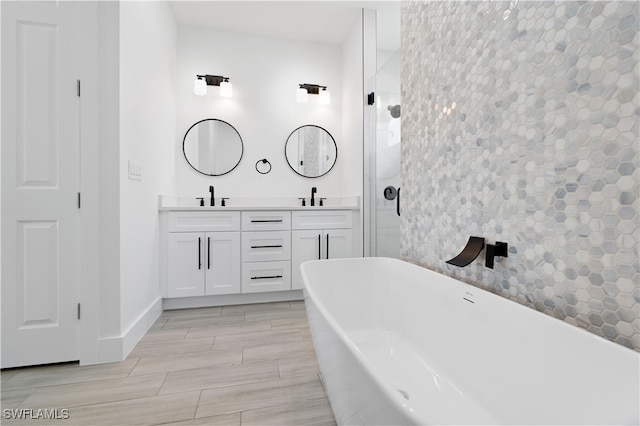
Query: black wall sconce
[
  {"x": 202, "y": 81},
  {"x": 305, "y": 89}
]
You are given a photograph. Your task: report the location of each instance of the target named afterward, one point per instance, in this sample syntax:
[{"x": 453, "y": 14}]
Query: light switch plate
[{"x": 135, "y": 170}]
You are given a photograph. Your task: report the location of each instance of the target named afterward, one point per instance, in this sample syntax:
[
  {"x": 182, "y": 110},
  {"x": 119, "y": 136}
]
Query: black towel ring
[{"x": 264, "y": 170}]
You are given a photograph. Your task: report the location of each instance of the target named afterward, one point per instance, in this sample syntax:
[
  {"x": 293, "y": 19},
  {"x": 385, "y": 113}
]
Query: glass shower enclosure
[{"x": 385, "y": 192}]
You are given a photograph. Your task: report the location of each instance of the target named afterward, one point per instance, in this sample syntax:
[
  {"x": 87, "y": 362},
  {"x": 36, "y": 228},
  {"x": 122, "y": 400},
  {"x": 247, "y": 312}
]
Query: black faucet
[
  {"x": 313, "y": 194},
  {"x": 213, "y": 199}
]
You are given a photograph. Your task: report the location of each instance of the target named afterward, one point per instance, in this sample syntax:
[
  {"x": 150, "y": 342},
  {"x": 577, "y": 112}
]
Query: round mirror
[
  {"x": 212, "y": 147},
  {"x": 311, "y": 151}
]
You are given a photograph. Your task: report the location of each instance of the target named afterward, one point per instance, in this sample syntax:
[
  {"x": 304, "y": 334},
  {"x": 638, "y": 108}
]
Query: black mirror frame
[
  {"x": 184, "y": 140},
  {"x": 334, "y": 144}
]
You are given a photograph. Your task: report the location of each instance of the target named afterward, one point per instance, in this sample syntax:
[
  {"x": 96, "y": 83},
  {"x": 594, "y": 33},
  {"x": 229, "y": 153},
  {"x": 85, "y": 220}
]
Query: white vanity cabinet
[
  {"x": 319, "y": 234},
  {"x": 203, "y": 253},
  {"x": 266, "y": 251},
  {"x": 215, "y": 256}
]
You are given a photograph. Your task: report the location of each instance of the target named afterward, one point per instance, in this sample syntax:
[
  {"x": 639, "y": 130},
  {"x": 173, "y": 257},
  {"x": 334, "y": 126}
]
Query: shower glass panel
[{"x": 386, "y": 190}]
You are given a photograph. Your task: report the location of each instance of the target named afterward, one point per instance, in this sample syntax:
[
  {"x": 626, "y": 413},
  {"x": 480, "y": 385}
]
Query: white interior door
[{"x": 40, "y": 183}]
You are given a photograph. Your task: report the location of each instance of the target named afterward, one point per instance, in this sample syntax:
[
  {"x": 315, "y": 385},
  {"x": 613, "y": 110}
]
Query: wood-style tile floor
[{"x": 232, "y": 365}]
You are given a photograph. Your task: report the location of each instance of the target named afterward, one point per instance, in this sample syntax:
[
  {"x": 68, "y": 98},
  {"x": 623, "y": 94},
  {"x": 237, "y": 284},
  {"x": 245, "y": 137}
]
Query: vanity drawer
[
  {"x": 322, "y": 219},
  {"x": 266, "y": 221},
  {"x": 262, "y": 246},
  {"x": 208, "y": 221},
  {"x": 258, "y": 277}
]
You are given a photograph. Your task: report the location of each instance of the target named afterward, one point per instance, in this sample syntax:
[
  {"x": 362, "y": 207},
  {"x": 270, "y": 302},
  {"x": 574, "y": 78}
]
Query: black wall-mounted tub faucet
[
  {"x": 469, "y": 253},
  {"x": 213, "y": 198},
  {"x": 313, "y": 195}
]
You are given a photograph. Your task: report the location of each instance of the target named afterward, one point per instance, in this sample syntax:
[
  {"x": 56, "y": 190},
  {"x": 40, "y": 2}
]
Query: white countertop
[{"x": 175, "y": 203}]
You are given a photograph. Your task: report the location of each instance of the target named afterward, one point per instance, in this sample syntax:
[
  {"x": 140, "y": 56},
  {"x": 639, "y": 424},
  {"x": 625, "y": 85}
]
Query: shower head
[{"x": 394, "y": 110}]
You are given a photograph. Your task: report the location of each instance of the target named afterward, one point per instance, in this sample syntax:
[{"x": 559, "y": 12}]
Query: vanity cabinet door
[
  {"x": 203, "y": 263},
  {"x": 222, "y": 263},
  {"x": 317, "y": 245},
  {"x": 305, "y": 245},
  {"x": 338, "y": 243},
  {"x": 185, "y": 269}
]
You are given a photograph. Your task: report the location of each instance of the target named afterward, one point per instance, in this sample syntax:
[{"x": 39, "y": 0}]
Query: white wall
[
  {"x": 147, "y": 129},
  {"x": 265, "y": 73}
]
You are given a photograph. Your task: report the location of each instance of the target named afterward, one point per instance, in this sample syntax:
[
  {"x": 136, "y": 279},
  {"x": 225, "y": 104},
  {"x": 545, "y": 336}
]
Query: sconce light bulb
[
  {"x": 199, "y": 87},
  {"x": 301, "y": 95},
  {"x": 226, "y": 89},
  {"x": 325, "y": 97}
]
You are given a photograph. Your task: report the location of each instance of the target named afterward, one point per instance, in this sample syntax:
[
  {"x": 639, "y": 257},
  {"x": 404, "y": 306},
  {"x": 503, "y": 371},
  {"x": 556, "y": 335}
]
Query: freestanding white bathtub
[{"x": 400, "y": 344}]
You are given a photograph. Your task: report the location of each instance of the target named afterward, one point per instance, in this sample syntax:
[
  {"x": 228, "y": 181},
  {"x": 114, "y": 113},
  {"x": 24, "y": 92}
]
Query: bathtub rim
[
  {"x": 458, "y": 282},
  {"x": 387, "y": 388}
]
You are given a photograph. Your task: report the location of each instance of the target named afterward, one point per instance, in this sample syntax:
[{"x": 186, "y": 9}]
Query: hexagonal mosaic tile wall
[{"x": 520, "y": 124}]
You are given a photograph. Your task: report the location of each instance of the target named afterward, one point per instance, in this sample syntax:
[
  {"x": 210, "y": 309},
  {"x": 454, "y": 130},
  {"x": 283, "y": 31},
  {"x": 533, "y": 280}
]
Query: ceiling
[{"x": 317, "y": 21}]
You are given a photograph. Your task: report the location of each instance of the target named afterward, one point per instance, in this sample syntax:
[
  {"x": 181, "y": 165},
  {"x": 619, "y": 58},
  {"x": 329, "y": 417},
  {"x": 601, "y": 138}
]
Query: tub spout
[{"x": 469, "y": 253}]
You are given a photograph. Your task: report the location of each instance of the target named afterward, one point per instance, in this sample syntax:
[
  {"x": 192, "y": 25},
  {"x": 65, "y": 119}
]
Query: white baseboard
[
  {"x": 117, "y": 348},
  {"x": 139, "y": 328},
  {"x": 231, "y": 299},
  {"x": 108, "y": 349}
]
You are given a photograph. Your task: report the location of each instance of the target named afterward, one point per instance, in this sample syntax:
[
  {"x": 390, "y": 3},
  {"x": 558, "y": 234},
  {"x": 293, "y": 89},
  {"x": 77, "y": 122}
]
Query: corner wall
[
  {"x": 520, "y": 125},
  {"x": 147, "y": 127}
]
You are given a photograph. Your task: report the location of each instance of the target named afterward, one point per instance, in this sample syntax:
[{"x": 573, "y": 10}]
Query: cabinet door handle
[
  {"x": 267, "y": 277},
  {"x": 199, "y": 253},
  {"x": 280, "y": 246},
  {"x": 319, "y": 249},
  {"x": 266, "y": 220},
  {"x": 208, "y": 252},
  {"x": 327, "y": 245}
]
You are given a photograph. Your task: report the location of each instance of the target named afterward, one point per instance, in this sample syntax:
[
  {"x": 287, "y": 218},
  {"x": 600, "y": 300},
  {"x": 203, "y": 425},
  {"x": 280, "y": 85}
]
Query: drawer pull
[
  {"x": 280, "y": 246},
  {"x": 327, "y": 246},
  {"x": 266, "y": 220},
  {"x": 266, "y": 278}
]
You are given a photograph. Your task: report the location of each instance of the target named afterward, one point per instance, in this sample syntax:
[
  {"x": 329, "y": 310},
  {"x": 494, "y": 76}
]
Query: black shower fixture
[{"x": 394, "y": 110}]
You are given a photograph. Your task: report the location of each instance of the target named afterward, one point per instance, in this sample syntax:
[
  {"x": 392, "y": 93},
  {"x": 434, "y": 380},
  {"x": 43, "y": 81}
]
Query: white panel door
[
  {"x": 305, "y": 245},
  {"x": 186, "y": 268},
  {"x": 40, "y": 182},
  {"x": 338, "y": 243},
  {"x": 222, "y": 263}
]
